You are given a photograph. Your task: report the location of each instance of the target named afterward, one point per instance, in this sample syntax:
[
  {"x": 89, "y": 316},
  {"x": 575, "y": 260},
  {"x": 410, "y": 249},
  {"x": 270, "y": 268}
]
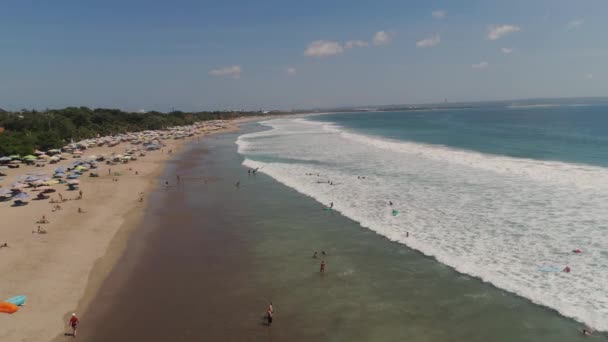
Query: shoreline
[{"x": 61, "y": 271}]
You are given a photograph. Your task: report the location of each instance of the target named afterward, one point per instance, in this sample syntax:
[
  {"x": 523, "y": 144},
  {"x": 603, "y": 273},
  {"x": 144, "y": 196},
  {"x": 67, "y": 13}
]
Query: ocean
[{"x": 501, "y": 194}]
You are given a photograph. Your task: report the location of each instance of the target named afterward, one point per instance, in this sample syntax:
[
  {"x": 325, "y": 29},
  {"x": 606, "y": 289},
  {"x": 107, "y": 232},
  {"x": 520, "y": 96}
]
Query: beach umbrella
[
  {"x": 60, "y": 169},
  {"x": 74, "y": 182},
  {"x": 15, "y": 161},
  {"x": 38, "y": 182},
  {"x": 30, "y": 157},
  {"x": 45, "y": 188},
  {"x": 59, "y": 175},
  {"x": 5, "y": 159},
  {"x": 21, "y": 195},
  {"x": 43, "y": 156},
  {"x": 73, "y": 176},
  {"x": 5, "y": 192},
  {"x": 14, "y": 156},
  {"x": 77, "y": 152}
]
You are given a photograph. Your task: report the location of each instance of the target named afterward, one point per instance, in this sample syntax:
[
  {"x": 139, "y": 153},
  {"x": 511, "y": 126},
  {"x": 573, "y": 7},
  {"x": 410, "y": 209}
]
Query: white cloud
[
  {"x": 506, "y": 50},
  {"x": 480, "y": 65},
  {"x": 429, "y": 42},
  {"x": 439, "y": 14},
  {"x": 576, "y": 23},
  {"x": 496, "y": 32},
  {"x": 355, "y": 44},
  {"x": 381, "y": 38},
  {"x": 323, "y": 48},
  {"x": 230, "y": 71},
  {"x": 589, "y": 76},
  {"x": 290, "y": 71}
]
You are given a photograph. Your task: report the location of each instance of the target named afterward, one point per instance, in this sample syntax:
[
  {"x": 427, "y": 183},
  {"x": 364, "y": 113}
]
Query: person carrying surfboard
[{"x": 73, "y": 323}]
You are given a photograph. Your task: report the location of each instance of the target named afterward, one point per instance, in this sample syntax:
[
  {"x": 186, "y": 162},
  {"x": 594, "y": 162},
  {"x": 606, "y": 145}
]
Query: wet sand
[{"x": 172, "y": 282}]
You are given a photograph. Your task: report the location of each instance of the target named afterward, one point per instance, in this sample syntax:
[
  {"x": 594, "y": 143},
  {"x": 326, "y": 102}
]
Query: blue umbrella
[
  {"x": 59, "y": 175},
  {"x": 73, "y": 176},
  {"x": 21, "y": 195},
  {"x": 60, "y": 169}
]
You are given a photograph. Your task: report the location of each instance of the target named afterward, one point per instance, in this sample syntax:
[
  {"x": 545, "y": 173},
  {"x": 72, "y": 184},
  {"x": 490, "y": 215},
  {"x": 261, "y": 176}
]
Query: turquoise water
[
  {"x": 497, "y": 194},
  {"x": 565, "y": 133}
]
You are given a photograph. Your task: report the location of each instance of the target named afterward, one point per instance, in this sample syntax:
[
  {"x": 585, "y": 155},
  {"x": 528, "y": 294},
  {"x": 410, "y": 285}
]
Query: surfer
[
  {"x": 314, "y": 256},
  {"x": 567, "y": 269},
  {"x": 238, "y": 183},
  {"x": 587, "y": 331},
  {"x": 390, "y": 203},
  {"x": 577, "y": 251},
  {"x": 249, "y": 172},
  {"x": 407, "y": 234},
  {"x": 73, "y": 323},
  {"x": 322, "y": 266},
  {"x": 331, "y": 205}
]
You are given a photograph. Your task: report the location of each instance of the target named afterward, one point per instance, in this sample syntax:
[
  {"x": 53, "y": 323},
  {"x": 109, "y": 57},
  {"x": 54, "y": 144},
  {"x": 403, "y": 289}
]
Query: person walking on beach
[
  {"x": 322, "y": 266},
  {"x": 269, "y": 315},
  {"x": 73, "y": 323}
]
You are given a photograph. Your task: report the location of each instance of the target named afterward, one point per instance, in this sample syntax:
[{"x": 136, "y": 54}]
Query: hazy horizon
[{"x": 201, "y": 55}]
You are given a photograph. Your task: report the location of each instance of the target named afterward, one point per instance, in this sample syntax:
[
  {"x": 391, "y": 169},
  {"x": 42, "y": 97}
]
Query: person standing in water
[
  {"x": 322, "y": 266},
  {"x": 314, "y": 255},
  {"x": 238, "y": 184}
]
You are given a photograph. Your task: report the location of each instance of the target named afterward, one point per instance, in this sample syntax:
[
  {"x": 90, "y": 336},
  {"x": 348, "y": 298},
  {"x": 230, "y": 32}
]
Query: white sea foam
[{"x": 493, "y": 217}]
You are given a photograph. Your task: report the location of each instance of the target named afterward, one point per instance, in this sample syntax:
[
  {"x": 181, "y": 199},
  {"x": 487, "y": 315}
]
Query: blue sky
[{"x": 194, "y": 55}]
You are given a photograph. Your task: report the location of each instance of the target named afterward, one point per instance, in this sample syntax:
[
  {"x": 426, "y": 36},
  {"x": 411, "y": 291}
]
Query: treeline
[{"x": 25, "y": 131}]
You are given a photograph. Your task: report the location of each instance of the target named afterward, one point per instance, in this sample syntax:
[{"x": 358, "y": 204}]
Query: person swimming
[{"x": 566, "y": 269}]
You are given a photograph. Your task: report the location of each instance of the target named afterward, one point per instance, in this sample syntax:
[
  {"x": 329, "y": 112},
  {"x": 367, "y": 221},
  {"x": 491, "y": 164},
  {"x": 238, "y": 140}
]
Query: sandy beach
[{"x": 59, "y": 271}]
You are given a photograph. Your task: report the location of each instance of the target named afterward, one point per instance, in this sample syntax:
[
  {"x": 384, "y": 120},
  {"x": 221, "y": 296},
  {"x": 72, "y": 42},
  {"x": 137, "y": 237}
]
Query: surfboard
[
  {"x": 17, "y": 300},
  {"x": 395, "y": 212},
  {"x": 327, "y": 209},
  {"x": 550, "y": 269}
]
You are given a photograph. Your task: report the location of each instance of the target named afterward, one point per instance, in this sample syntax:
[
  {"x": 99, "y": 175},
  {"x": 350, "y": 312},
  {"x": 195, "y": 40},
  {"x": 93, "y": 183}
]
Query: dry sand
[{"x": 60, "y": 271}]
